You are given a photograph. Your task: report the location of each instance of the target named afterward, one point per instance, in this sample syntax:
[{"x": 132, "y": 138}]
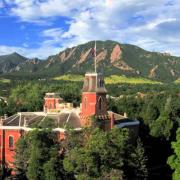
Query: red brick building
[{"x": 94, "y": 103}]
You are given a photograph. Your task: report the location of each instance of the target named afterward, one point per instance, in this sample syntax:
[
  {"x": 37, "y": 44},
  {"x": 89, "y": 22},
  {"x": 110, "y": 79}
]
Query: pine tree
[
  {"x": 137, "y": 162},
  {"x": 174, "y": 160}
]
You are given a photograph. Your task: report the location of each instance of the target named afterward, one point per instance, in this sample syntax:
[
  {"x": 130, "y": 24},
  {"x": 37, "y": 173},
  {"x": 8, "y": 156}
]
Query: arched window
[
  {"x": 11, "y": 142},
  {"x": 85, "y": 103},
  {"x": 100, "y": 103}
]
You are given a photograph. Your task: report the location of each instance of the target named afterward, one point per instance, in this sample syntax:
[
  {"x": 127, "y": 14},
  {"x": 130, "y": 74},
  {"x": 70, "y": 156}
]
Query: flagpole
[{"x": 95, "y": 57}]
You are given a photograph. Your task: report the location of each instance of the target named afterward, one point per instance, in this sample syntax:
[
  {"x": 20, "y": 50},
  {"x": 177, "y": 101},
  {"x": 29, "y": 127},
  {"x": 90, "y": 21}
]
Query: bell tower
[{"x": 94, "y": 100}]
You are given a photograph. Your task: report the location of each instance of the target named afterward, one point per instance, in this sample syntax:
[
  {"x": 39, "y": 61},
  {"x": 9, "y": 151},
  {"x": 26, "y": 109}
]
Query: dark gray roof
[{"x": 64, "y": 119}]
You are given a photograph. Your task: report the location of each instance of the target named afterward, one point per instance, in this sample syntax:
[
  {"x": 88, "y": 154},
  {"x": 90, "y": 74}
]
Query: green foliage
[
  {"x": 70, "y": 77},
  {"x": 137, "y": 62},
  {"x": 8, "y": 62},
  {"x": 3, "y": 107},
  {"x": 174, "y": 160},
  {"x": 21, "y": 158},
  {"x": 177, "y": 81},
  {"x": 138, "y": 160},
  {"x": 150, "y": 112},
  {"x": 3, "y": 80},
  {"x": 162, "y": 126},
  {"x": 114, "y": 174},
  {"x": 157, "y": 106},
  {"x": 114, "y": 79},
  {"x": 103, "y": 155},
  {"x": 37, "y": 156},
  {"x": 53, "y": 168},
  {"x": 101, "y": 152},
  {"x": 26, "y": 98}
]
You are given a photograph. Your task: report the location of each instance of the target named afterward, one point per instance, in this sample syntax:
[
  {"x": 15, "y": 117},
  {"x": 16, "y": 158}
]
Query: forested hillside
[
  {"x": 112, "y": 58},
  {"x": 156, "y": 106}
]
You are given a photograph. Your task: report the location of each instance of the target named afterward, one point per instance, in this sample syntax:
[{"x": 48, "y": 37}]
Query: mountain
[
  {"x": 112, "y": 58},
  {"x": 9, "y": 62}
]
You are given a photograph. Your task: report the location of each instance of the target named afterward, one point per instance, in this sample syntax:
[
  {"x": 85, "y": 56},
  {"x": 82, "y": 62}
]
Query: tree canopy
[{"x": 174, "y": 160}]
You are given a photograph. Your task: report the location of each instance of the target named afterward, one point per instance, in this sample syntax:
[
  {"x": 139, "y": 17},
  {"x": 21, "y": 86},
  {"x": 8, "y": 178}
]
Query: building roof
[
  {"x": 63, "y": 119},
  {"x": 123, "y": 121}
]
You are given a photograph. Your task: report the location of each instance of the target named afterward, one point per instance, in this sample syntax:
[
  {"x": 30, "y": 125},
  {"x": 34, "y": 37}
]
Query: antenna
[{"x": 95, "y": 57}]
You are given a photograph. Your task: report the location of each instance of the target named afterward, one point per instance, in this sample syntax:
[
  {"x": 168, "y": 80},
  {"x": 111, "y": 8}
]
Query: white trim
[
  {"x": 91, "y": 74},
  {"x": 20, "y": 119},
  {"x": 30, "y": 129},
  {"x": 32, "y": 113},
  {"x": 64, "y": 130},
  {"x": 59, "y": 129},
  {"x": 15, "y": 128}
]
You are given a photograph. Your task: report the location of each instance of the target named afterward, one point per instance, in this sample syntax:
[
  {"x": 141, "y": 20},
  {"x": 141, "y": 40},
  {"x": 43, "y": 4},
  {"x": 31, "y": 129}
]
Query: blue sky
[{"x": 39, "y": 28}]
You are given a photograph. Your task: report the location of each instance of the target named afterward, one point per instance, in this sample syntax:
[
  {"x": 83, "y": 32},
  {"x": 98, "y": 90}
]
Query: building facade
[{"x": 94, "y": 107}]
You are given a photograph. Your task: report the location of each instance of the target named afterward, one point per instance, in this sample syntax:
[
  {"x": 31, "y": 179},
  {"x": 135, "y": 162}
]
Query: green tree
[
  {"x": 21, "y": 158},
  {"x": 34, "y": 170},
  {"x": 100, "y": 153},
  {"x": 38, "y": 156},
  {"x": 114, "y": 174},
  {"x": 174, "y": 160},
  {"x": 162, "y": 126},
  {"x": 3, "y": 107},
  {"x": 138, "y": 162},
  {"x": 53, "y": 168},
  {"x": 151, "y": 113}
]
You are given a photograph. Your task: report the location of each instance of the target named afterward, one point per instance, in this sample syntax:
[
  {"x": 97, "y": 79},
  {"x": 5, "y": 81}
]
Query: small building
[
  {"x": 54, "y": 103},
  {"x": 63, "y": 115}
]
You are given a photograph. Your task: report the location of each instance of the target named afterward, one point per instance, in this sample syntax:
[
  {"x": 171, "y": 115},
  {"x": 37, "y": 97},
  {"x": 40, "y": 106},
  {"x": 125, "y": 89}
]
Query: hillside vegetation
[
  {"x": 156, "y": 106},
  {"x": 2, "y": 80},
  {"x": 113, "y": 58},
  {"x": 113, "y": 79},
  {"x": 177, "y": 81}
]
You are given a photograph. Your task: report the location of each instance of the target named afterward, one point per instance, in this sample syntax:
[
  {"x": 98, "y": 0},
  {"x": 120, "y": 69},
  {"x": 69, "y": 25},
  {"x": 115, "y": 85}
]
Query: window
[
  {"x": 101, "y": 82},
  {"x": 100, "y": 103},
  {"x": 85, "y": 103},
  {"x": 11, "y": 142}
]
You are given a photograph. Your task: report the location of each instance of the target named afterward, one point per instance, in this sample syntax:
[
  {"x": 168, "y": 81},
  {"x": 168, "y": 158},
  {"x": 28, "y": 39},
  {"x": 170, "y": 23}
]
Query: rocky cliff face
[
  {"x": 112, "y": 58},
  {"x": 116, "y": 53}
]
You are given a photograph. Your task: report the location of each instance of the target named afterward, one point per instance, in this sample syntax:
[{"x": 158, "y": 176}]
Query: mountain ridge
[{"x": 112, "y": 58}]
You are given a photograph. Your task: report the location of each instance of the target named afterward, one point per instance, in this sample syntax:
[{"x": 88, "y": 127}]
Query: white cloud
[
  {"x": 149, "y": 24},
  {"x": 52, "y": 36},
  {"x": 1, "y": 4},
  {"x": 41, "y": 52}
]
